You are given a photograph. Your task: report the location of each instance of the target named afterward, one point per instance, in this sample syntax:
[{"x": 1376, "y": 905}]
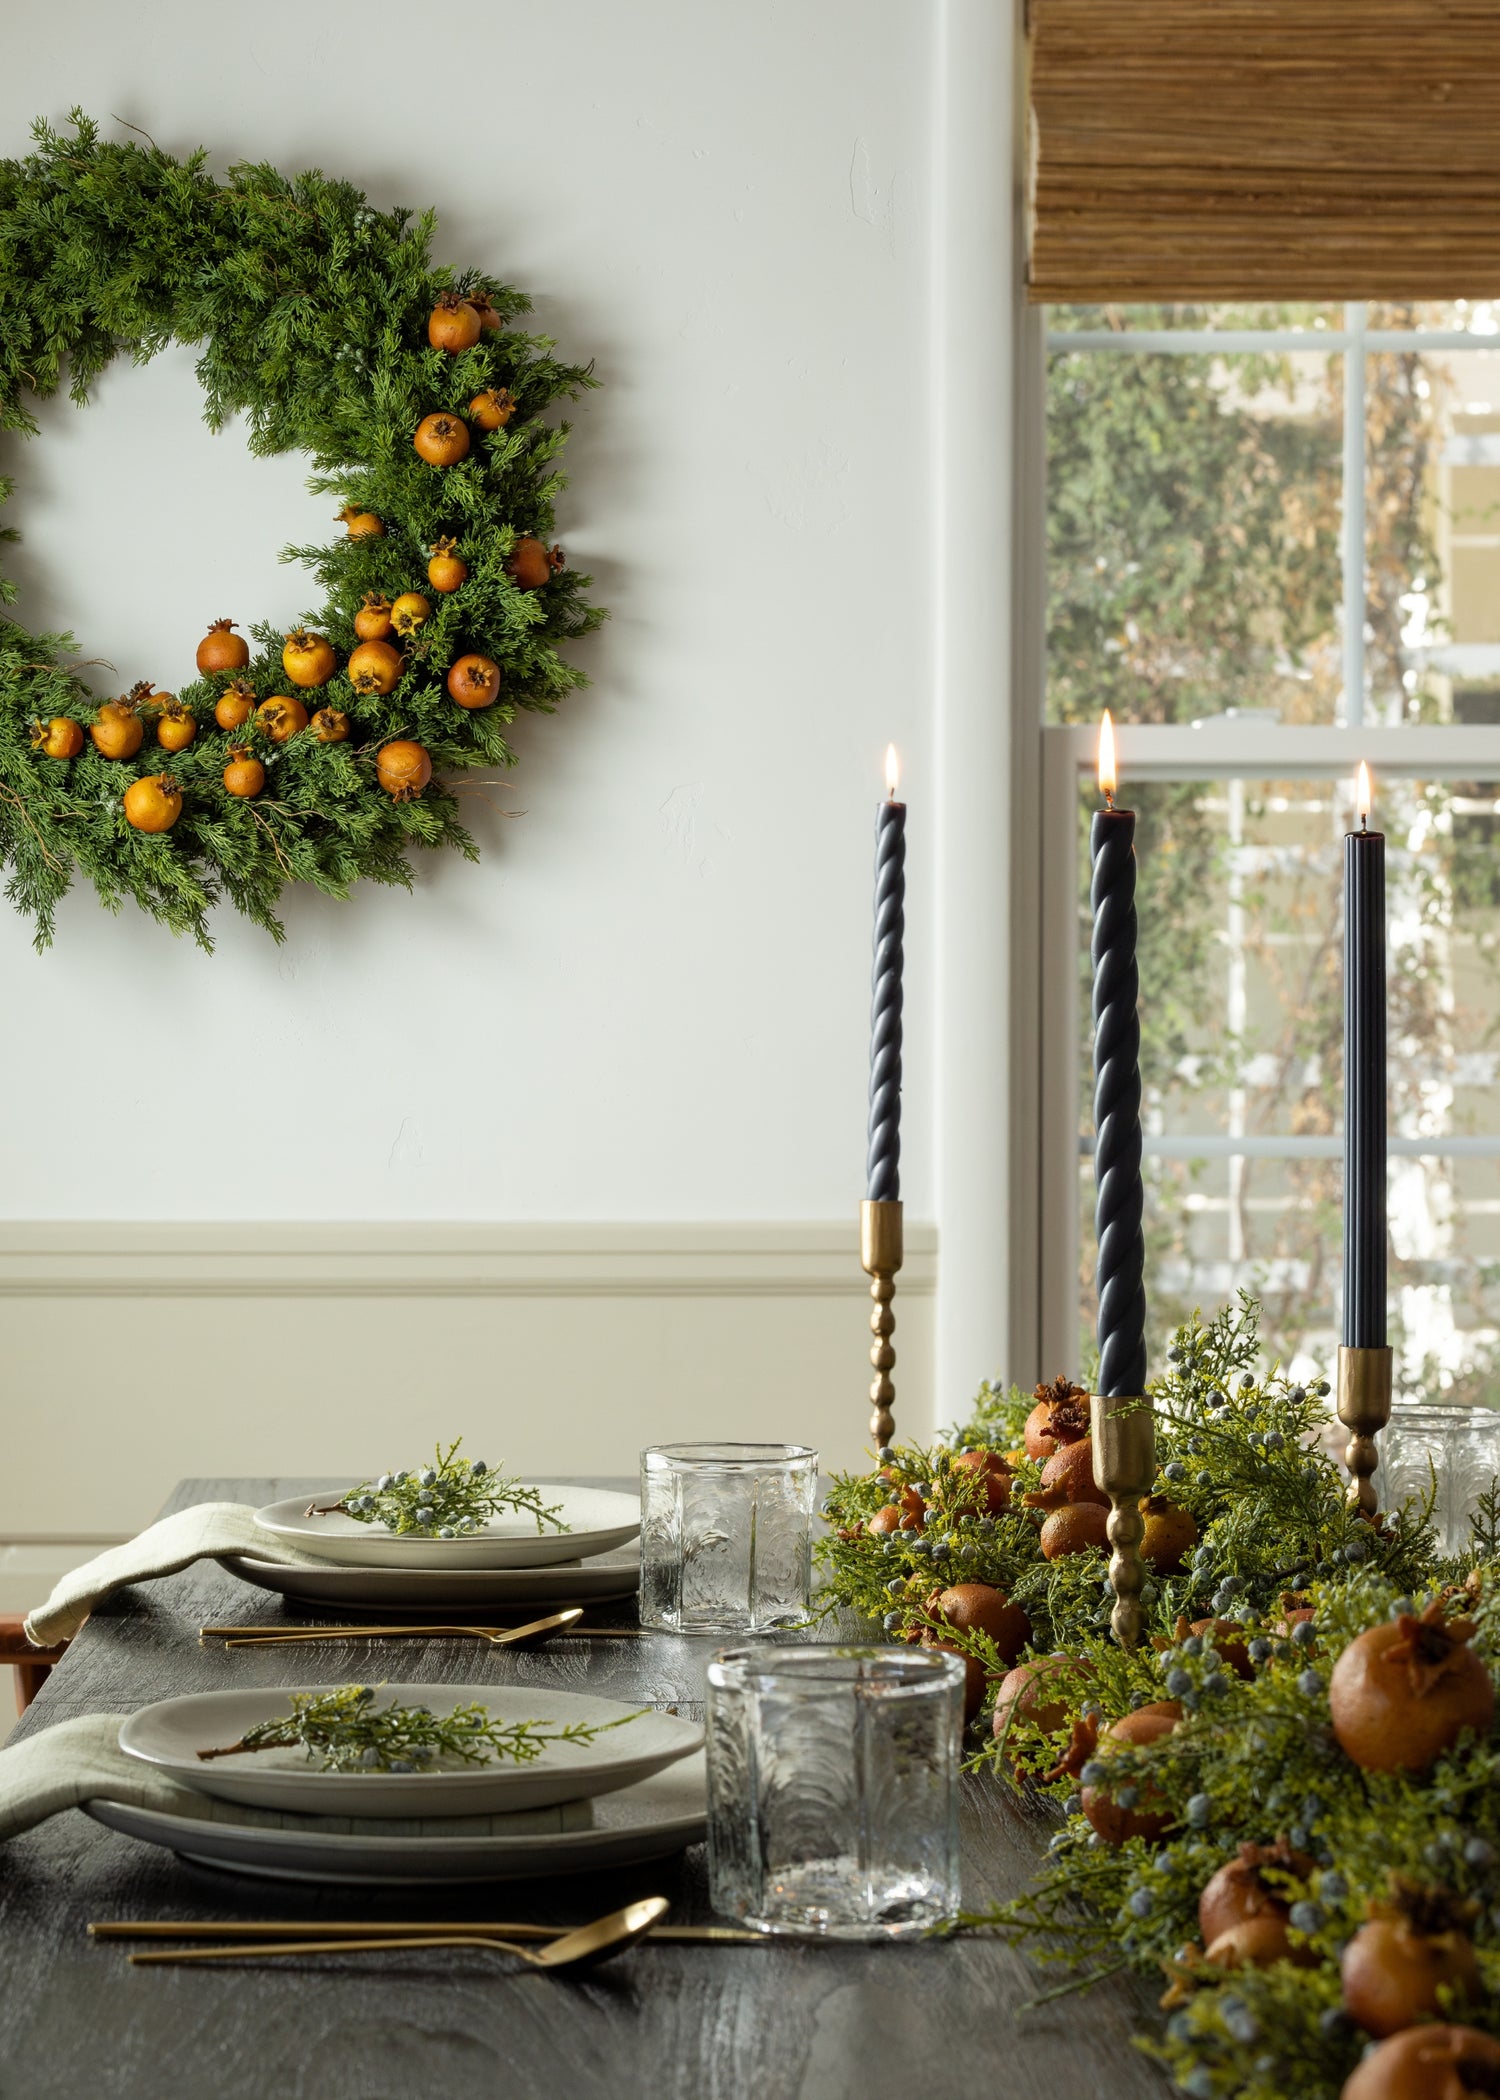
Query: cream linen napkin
[
  {"x": 200, "y": 1533},
  {"x": 81, "y": 1760}
]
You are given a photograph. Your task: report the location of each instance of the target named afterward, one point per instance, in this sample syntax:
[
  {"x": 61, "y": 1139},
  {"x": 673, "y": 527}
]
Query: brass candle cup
[
  {"x": 1364, "y": 1408},
  {"x": 1124, "y": 1437},
  {"x": 880, "y": 1254}
]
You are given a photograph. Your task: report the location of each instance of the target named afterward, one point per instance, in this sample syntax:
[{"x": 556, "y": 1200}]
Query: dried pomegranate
[{"x": 1403, "y": 1693}]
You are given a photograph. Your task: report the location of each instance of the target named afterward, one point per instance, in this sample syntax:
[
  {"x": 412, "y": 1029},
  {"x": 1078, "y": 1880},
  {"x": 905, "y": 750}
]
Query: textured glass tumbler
[
  {"x": 833, "y": 1788},
  {"x": 726, "y": 1536},
  {"x": 1459, "y": 1445}
]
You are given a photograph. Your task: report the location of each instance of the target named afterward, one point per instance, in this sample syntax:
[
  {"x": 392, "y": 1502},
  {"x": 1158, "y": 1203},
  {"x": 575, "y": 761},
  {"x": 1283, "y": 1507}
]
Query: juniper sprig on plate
[
  {"x": 350, "y": 1733},
  {"x": 451, "y": 1498}
]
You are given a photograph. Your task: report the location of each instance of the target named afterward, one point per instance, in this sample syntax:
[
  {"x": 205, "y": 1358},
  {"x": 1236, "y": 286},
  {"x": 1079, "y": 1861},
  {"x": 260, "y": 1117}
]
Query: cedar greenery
[
  {"x": 309, "y": 309},
  {"x": 1255, "y": 1759},
  {"x": 347, "y": 1732}
]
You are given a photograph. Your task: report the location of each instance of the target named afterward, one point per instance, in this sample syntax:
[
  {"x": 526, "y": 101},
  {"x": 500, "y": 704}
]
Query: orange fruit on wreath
[
  {"x": 372, "y": 623},
  {"x": 493, "y": 409},
  {"x": 308, "y": 659},
  {"x": 531, "y": 564},
  {"x": 446, "y": 571},
  {"x": 153, "y": 804},
  {"x": 403, "y": 769},
  {"x": 244, "y": 775},
  {"x": 280, "y": 717},
  {"x": 361, "y": 524},
  {"x": 60, "y": 738},
  {"x": 222, "y": 650},
  {"x": 474, "y": 681},
  {"x": 409, "y": 611},
  {"x": 176, "y": 725},
  {"x": 117, "y": 730},
  {"x": 490, "y": 316},
  {"x": 453, "y": 324},
  {"x": 441, "y": 440},
  {"x": 330, "y": 725},
  {"x": 235, "y": 705},
  {"x": 375, "y": 667}
]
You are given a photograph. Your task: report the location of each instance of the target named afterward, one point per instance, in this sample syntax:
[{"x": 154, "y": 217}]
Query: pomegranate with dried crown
[
  {"x": 176, "y": 725},
  {"x": 1039, "y": 1691},
  {"x": 330, "y": 725},
  {"x": 235, "y": 705},
  {"x": 153, "y": 804},
  {"x": 474, "y": 681},
  {"x": 244, "y": 776},
  {"x": 409, "y": 611},
  {"x": 61, "y": 737},
  {"x": 361, "y": 524},
  {"x": 372, "y": 623},
  {"x": 1428, "y": 2063},
  {"x": 453, "y": 324},
  {"x": 1403, "y": 1693},
  {"x": 281, "y": 717},
  {"x": 441, "y": 440},
  {"x": 1243, "y": 1888},
  {"x": 403, "y": 769},
  {"x": 981, "y": 1482},
  {"x": 222, "y": 650},
  {"x": 1077, "y": 1527},
  {"x": 530, "y": 564},
  {"x": 1146, "y": 1815},
  {"x": 117, "y": 730},
  {"x": 490, "y": 316},
  {"x": 492, "y": 409},
  {"x": 447, "y": 570},
  {"x": 375, "y": 667},
  {"x": 1414, "y": 1947},
  {"x": 308, "y": 659},
  {"x": 1061, "y": 1416},
  {"x": 1071, "y": 1468},
  {"x": 1170, "y": 1534}
]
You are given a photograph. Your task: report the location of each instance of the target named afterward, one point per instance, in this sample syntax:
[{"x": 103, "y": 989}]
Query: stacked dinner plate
[
  {"x": 506, "y": 1562},
  {"x": 634, "y": 1793}
]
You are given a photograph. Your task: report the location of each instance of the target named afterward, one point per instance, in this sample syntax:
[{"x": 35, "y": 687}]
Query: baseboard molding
[{"x": 85, "y": 1259}]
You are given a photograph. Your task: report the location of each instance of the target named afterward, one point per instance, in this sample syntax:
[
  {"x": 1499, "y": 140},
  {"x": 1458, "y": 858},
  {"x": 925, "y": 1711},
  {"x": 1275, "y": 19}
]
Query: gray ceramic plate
[
  {"x": 650, "y": 1821},
  {"x": 170, "y": 1733},
  {"x": 592, "y": 1581},
  {"x": 595, "y": 1520}
]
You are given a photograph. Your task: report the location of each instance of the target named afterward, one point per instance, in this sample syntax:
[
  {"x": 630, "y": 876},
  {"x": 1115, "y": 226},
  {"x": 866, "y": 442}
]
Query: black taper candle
[
  {"x": 883, "y": 1167},
  {"x": 1364, "y": 1088},
  {"x": 1120, "y": 1276}
]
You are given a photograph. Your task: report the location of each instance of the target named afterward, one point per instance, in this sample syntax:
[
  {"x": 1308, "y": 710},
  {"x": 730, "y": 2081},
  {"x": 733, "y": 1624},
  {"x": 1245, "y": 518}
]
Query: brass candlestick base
[
  {"x": 1124, "y": 1468},
  {"x": 1364, "y": 1406},
  {"x": 880, "y": 1257}
]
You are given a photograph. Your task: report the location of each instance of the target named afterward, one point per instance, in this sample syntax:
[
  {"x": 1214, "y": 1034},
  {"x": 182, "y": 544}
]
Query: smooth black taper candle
[
  {"x": 883, "y": 1163},
  {"x": 1120, "y": 1276},
  {"x": 1364, "y": 1081}
]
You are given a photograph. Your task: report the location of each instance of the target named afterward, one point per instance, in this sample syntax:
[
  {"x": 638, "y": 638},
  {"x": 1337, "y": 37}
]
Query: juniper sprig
[{"x": 451, "y": 1498}]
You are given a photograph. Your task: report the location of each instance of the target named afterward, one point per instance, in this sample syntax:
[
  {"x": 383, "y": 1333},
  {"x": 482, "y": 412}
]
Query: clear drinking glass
[
  {"x": 1460, "y": 1445},
  {"x": 726, "y": 1536},
  {"x": 833, "y": 1788}
]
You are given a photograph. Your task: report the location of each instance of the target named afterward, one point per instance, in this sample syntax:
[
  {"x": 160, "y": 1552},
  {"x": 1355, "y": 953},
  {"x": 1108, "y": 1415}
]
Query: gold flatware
[
  {"x": 497, "y": 1636},
  {"x": 579, "y": 1949},
  {"x": 364, "y": 1928}
]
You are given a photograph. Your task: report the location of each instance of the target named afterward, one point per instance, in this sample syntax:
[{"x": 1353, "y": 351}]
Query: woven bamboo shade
[{"x": 1264, "y": 149}]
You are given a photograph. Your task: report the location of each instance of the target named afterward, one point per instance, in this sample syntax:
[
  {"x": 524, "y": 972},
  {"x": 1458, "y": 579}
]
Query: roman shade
[{"x": 1185, "y": 150}]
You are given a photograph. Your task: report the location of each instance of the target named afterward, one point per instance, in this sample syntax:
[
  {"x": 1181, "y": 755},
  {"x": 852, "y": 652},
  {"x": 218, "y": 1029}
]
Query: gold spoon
[
  {"x": 580, "y": 1949},
  {"x": 497, "y": 1636}
]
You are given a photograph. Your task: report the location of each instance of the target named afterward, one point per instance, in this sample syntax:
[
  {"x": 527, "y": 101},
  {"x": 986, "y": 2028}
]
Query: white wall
[{"x": 648, "y": 1003}]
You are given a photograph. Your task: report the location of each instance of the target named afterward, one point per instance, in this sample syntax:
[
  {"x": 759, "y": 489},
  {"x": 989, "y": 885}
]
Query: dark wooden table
[{"x": 779, "y": 2022}]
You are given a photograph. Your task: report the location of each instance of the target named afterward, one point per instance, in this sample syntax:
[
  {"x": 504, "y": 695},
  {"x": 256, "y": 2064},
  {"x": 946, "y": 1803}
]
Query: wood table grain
[{"x": 780, "y": 2022}]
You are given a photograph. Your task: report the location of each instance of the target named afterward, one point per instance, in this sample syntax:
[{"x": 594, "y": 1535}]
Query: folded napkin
[
  {"x": 81, "y": 1760},
  {"x": 203, "y": 1532}
]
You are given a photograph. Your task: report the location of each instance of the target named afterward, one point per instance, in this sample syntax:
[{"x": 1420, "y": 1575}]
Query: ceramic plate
[
  {"x": 658, "y": 1817},
  {"x": 170, "y": 1734},
  {"x": 597, "y": 1519},
  {"x": 430, "y": 1589}
]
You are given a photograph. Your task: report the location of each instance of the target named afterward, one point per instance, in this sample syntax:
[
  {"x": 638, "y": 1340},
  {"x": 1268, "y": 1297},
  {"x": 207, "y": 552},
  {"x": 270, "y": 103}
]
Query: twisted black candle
[
  {"x": 883, "y": 1168},
  {"x": 1364, "y": 1089},
  {"x": 1120, "y": 1275}
]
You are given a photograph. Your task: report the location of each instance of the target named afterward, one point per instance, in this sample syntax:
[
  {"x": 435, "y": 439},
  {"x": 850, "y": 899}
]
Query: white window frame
[{"x": 1045, "y": 985}]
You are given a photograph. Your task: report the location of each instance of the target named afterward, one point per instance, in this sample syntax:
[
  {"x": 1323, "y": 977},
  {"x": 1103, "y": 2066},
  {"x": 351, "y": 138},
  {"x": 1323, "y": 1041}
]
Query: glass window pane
[
  {"x": 1240, "y": 913},
  {"x": 1193, "y": 511},
  {"x": 1473, "y": 316}
]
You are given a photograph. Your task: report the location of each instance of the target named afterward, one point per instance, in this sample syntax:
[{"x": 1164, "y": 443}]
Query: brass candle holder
[
  {"x": 1124, "y": 1438},
  {"x": 880, "y": 1253},
  {"x": 1364, "y": 1407}
]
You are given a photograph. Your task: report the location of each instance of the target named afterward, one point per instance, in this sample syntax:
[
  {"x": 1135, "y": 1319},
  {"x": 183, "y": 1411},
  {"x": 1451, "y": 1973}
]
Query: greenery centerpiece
[{"x": 1285, "y": 1800}]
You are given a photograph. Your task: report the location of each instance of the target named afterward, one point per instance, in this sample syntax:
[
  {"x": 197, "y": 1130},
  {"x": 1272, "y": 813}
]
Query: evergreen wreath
[{"x": 316, "y": 757}]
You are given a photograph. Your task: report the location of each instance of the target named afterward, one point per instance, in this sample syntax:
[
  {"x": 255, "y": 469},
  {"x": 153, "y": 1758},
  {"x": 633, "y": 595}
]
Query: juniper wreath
[{"x": 309, "y": 309}]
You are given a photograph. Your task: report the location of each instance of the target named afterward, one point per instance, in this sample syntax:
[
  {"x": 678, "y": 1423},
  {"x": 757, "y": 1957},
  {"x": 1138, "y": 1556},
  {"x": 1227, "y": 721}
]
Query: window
[{"x": 1273, "y": 549}]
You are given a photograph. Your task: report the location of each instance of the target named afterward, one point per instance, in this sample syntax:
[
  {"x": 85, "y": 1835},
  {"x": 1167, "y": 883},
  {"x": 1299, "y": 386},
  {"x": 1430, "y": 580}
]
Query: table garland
[
  {"x": 1286, "y": 1799},
  {"x": 316, "y": 756}
]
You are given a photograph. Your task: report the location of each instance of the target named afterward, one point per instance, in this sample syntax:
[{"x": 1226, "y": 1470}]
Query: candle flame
[
  {"x": 1108, "y": 775},
  {"x": 892, "y": 771},
  {"x": 1362, "y": 796}
]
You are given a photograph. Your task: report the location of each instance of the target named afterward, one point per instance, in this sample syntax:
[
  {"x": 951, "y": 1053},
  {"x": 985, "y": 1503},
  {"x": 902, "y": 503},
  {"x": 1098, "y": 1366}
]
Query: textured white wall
[{"x": 649, "y": 1001}]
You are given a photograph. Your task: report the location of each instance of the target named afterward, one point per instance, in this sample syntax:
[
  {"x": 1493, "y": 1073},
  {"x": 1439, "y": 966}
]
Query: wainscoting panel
[{"x": 136, "y": 1353}]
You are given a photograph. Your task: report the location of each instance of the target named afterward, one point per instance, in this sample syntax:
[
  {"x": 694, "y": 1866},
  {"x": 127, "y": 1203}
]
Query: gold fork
[{"x": 497, "y": 1636}]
